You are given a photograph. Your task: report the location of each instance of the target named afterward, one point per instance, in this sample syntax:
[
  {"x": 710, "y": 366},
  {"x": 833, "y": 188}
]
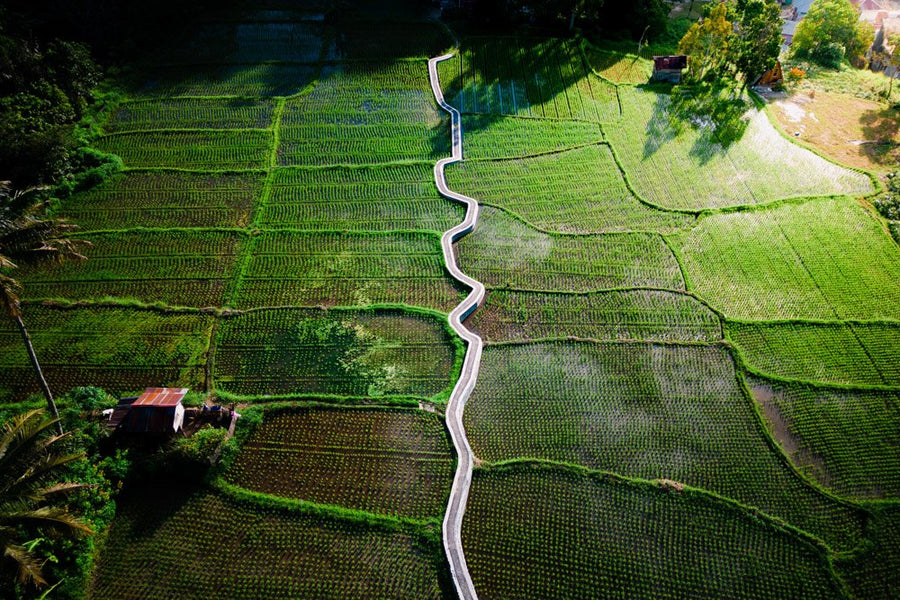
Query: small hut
[
  {"x": 669, "y": 68},
  {"x": 157, "y": 410},
  {"x": 772, "y": 78}
]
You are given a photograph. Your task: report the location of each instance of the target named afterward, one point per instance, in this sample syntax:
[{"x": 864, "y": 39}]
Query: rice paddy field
[{"x": 689, "y": 386}]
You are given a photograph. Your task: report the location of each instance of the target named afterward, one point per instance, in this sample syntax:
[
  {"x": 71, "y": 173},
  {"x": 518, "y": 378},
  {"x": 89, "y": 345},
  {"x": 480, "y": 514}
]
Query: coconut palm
[
  {"x": 30, "y": 459},
  {"x": 27, "y": 238}
]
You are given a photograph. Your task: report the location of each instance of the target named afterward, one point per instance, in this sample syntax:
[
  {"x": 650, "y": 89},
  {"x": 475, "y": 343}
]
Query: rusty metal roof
[
  {"x": 666, "y": 63},
  {"x": 161, "y": 397}
]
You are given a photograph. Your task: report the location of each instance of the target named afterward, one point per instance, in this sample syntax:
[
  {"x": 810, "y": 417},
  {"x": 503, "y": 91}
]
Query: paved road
[{"x": 459, "y": 493}]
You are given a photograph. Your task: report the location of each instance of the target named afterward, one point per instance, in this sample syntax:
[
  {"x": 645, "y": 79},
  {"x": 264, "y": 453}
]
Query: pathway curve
[{"x": 459, "y": 493}]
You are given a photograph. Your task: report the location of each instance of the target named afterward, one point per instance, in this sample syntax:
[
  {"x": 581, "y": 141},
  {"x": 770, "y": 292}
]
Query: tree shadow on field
[
  {"x": 881, "y": 129},
  {"x": 523, "y": 76},
  {"x": 714, "y": 112},
  {"x": 148, "y": 504}
]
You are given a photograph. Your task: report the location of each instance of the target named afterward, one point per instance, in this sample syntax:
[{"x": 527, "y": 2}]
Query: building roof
[
  {"x": 869, "y": 5},
  {"x": 161, "y": 397},
  {"x": 665, "y": 63}
]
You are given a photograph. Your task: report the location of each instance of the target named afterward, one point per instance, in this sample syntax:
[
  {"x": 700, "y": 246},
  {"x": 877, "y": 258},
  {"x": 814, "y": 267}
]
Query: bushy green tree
[
  {"x": 646, "y": 19},
  {"x": 45, "y": 89},
  {"x": 756, "y": 40},
  {"x": 740, "y": 39},
  {"x": 707, "y": 44},
  {"x": 830, "y": 32}
]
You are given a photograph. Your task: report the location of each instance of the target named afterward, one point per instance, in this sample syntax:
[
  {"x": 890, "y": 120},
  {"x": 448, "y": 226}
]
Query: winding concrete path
[{"x": 459, "y": 493}]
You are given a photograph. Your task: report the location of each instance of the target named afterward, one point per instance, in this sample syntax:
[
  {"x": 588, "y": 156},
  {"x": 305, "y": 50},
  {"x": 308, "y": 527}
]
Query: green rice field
[
  {"x": 567, "y": 533},
  {"x": 689, "y": 386}
]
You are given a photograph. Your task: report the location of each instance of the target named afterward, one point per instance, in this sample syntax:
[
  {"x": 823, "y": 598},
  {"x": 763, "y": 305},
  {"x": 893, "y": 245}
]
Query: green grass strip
[{"x": 426, "y": 529}]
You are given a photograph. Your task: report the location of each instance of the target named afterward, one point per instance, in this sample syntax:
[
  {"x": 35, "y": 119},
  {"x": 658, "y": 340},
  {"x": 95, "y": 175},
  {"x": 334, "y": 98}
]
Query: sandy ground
[{"x": 856, "y": 132}]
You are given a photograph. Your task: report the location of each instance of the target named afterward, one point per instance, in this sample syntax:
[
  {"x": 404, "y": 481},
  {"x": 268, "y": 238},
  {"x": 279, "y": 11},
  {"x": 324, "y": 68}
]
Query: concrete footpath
[{"x": 459, "y": 493}]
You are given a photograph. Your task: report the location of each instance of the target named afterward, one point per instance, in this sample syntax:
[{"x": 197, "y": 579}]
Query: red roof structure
[
  {"x": 157, "y": 410},
  {"x": 161, "y": 397},
  {"x": 670, "y": 63},
  {"x": 668, "y": 68}
]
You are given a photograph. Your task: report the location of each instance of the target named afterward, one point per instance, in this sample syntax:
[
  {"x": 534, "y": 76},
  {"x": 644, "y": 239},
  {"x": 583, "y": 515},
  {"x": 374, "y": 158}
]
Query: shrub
[
  {"x": 828, "y": 55},
  {"x": 796, "y": 74}
]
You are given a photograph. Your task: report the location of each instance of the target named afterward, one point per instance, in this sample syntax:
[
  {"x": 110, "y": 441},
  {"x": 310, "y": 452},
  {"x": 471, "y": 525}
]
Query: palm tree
[
  {"x": 27, "y": 238},
  {"x": 30, "y": 460}
]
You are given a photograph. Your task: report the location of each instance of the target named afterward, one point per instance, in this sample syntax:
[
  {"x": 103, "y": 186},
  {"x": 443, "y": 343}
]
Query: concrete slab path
[{"x": 459, "y": 493}]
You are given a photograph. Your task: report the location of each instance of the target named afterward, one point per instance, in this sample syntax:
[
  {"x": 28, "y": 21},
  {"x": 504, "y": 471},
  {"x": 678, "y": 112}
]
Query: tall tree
[
  {"x": 756, "y": 38},
  {"x": 28, "y": 238},
  {"x": 707, "y": 44},
  {"x": 830, "y": 32},
  {"x": 30, "y": 460},
  {"x": 736, "y": 39}
]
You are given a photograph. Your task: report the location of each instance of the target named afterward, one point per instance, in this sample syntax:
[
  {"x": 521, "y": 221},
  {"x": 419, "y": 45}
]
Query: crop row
[
  {"x": 159, "y": 199},
  {"x": 308, "y": 351},
  {"x": 527, "y": 77},
  {"x": 227, "y": 80},
  {"x": 118, "y": 349},
  {"x": 386, "y": 40},
  {"x": 847, "y": 440},
  {"x": 618, "y": 67},
  {"x": 617, "y": 315},
  {"x": 396, "y": 197},
  {"x": 861, "y": 354},
  {"x": 191, "y": 113},
  {"x": 874, "y": 572},
  {"x": 823, "y": 259},
  {"x": 643, "y": 410},
  {"x": 352, "y": 102},
  {"x": 311, "y": 269},
  {"x": 247, "y": 149},
  {"x": 182, "y": 268},
  {"x": 392, "y": 462},
  {"x": 249, "y": 42},
  {"x": 374, "y": 77},
  {"x": 360, "y": 114},
  {"x": 674, "y": 165},
  {"x": 361, "y": 144},
  {"x": 166, "y": 544},
  {"x": 576, "y": 191},
  {"x": 491, "y": 136},
  {"x": 506, "y": 253},
  {"x": 539, "y": 532}
]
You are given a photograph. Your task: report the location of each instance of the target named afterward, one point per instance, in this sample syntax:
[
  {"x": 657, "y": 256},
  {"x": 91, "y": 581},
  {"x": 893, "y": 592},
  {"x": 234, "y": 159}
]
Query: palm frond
[
  {"x": 30, "y": 240},
  {"x": 35, "y": 475},
  {"x": 9, "y": 293},
  {"x": 20, "y": 432},
  {"x": 50, "y": 516},
  {"x": 27, "y": 565},
  {"x": 29, "y": 461},
  {"x": 63, "y": 488},
  {"x": 28, "y": 236}
]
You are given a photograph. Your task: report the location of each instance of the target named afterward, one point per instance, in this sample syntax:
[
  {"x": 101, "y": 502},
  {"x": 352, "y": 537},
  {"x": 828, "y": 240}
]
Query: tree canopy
[
  {"x": 30, "y": 462},
  {"x": 831, "y": 32},
  {"x": 707, "y": 44},
  {"x": 739, "y": 39},
  {"x": 45, "y": 90}
]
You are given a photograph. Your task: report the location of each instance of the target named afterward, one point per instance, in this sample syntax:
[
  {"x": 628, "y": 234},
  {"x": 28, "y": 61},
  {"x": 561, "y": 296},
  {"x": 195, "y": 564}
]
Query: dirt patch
[
  {"x": 670, "y": 485},
  {"x": 853, "y": 131},
  {"x": 780, "y": 428},
  {"x": 764, "y": 395}
]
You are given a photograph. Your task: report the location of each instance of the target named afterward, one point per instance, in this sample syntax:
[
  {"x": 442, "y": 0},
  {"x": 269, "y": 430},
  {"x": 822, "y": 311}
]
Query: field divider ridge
[{"x": 462, "y": 479}]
